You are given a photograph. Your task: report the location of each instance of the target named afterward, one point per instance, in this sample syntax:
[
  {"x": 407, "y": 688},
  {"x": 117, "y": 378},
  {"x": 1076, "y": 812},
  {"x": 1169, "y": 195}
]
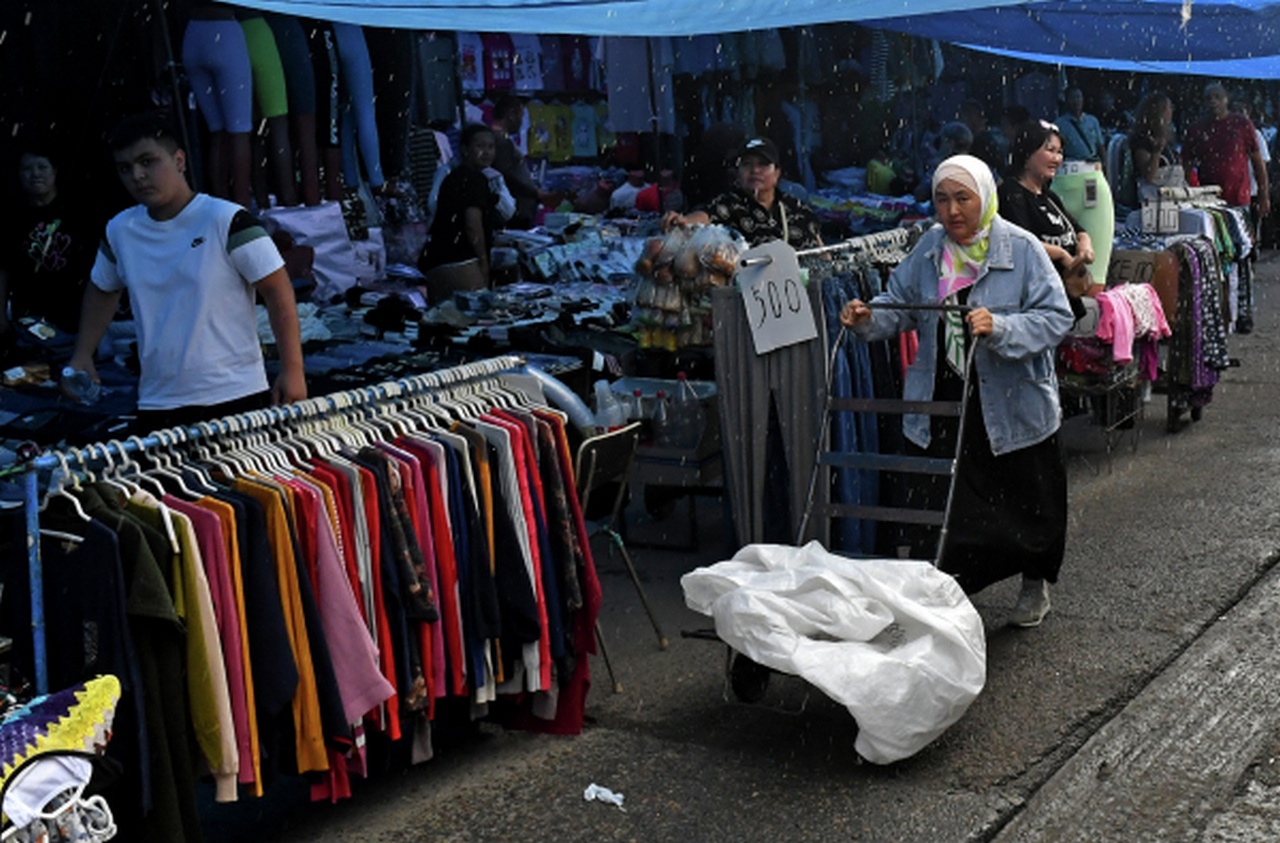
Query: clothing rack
[
  {"x": 335, "y": 405},
  {"x": 1201, "y": 194},
  {"x": 897, "y": 239},
  {"x": 894, "y": 238}
]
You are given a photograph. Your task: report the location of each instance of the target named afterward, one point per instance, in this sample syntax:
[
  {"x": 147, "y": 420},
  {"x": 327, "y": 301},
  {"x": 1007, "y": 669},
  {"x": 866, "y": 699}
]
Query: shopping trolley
[{"x": 749, "y": 680}]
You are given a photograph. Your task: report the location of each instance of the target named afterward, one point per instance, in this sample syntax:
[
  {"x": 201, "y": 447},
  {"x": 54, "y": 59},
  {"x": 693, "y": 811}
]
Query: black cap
[{"x": 763, "y": 147}]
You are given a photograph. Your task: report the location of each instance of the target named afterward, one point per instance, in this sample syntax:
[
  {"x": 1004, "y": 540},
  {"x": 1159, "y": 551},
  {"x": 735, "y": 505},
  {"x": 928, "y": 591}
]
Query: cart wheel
[
  {"x": 749, "y": 680},
  {"x": 660, "y": 501}
]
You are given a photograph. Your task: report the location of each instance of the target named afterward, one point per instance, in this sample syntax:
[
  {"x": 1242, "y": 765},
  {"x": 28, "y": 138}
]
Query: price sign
[
  {"x": 777, "y": 303},
  {"x": 1131, "y": 267}
]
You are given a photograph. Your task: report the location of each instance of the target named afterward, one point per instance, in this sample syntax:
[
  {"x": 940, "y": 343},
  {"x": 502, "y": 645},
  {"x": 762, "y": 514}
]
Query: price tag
[{"x": 777, "y": 303}]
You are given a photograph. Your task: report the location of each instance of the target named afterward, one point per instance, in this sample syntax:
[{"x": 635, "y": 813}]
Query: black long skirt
[{"x": 1008, "y": 514}]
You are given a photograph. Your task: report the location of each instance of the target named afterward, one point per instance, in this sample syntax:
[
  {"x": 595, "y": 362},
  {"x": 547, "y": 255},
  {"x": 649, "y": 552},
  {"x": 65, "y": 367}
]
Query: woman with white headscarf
[{"x": 1008, "y": 515}]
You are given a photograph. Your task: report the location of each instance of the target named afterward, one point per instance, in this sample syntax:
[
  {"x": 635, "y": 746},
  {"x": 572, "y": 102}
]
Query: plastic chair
[{"x": 603, "y": 461}]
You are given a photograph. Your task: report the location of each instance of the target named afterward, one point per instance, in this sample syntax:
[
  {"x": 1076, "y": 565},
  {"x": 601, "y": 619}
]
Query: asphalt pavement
[{"x": 1143, "y": 709}]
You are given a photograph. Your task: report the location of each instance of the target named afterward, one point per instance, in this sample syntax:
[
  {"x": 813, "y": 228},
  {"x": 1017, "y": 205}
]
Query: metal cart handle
[{"x": 941, "y": 308}]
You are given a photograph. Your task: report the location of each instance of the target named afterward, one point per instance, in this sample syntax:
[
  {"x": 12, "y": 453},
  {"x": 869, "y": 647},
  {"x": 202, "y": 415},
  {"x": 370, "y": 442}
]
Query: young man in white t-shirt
[{"x": 193, "y": 265}]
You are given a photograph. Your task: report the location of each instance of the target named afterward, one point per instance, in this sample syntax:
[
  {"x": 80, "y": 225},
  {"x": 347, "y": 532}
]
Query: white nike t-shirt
[{"x": 190, "y": 281}]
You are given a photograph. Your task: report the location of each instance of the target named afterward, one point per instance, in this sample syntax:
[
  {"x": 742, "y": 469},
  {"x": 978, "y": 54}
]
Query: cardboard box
[{"x": 1157, "y": 268}]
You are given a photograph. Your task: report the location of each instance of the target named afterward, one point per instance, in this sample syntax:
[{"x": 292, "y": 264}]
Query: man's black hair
[
  {"x": 470, "y": 131},
  {"x": 154, "y": 125}
]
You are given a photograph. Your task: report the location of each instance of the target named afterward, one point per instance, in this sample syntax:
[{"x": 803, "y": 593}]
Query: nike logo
[{"x": 197, "y": 242}]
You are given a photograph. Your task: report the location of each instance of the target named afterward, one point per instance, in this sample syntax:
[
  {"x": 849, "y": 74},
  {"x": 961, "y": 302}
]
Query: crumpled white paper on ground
[
  {"x": 602, "y": 794},
  {"x": 895, "y": 641}
]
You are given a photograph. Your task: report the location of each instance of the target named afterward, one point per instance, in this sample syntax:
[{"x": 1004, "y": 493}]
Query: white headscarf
[{"x": 963, "y": 261}]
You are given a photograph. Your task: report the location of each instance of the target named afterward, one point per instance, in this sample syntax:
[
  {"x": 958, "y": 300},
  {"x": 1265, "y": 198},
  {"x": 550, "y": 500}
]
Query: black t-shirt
[
  {"x": 1044, "y": 216},
  {"x": 465, "y": 187},
  {"x": 47, "y": 253},
  {"x": 1040, "y": 213}
]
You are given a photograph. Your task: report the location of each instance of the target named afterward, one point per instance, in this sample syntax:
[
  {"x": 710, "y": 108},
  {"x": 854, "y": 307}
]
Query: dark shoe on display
[{"x": 1033, "y": 604}]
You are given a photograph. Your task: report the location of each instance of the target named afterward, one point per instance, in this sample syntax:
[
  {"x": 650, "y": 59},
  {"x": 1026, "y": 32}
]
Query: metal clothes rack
[
  {"x": 1200, "y": 194},
  {"x": 894, "y": 238},
  {"x": 333, "y": 405},
  {"x": 902, "y": 238}
]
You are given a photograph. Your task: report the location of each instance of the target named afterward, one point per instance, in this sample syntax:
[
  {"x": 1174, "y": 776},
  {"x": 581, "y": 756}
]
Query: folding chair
[{"x": 603, "y": 461}]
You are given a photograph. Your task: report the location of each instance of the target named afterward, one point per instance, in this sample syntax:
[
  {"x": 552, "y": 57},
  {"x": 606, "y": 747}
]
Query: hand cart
[{"x": 749, "y": 680}]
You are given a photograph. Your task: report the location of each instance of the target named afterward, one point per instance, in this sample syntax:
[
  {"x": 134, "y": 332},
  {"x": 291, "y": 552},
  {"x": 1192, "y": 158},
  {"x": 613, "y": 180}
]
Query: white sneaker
[{"x": 1033, "y": 604}]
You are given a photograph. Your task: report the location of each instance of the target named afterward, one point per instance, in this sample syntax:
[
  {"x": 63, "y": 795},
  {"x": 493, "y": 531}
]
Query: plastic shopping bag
[
  {"x": 336, "y": 266},
  {"x": 895, "y": 641}
]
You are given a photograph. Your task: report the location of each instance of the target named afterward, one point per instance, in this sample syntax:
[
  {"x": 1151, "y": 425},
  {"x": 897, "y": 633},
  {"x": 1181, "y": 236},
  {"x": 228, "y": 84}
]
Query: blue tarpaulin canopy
[
  {"x": 1237, "y": 38},
  {"x": 1231, "y": 38},
  {"x": 607, "y": 17},
  {"x": 1261, "y": 67}
]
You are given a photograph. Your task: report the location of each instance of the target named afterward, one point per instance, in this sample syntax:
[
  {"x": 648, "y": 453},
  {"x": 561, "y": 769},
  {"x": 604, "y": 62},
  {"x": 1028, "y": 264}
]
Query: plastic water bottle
[
  {"x": 662, "y": 421},
  {"x": 686, "y": 411},
  {"x": 81, "y": 386},
  {"x": 637, "y": 412},
  {"x": 610, "y": 414}
]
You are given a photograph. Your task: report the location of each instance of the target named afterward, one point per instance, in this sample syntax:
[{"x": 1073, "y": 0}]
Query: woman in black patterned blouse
[{"x": 756, "y": 207}]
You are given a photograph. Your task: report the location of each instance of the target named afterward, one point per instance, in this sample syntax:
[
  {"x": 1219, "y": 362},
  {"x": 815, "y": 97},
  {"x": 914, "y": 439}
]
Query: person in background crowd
[
  {"x": 47, "y": 250},
  {"x": 662, "y": 196},
  {"x": 953, "y": 138},
  {"x": 756, "y": 208},
  {"x": 1008, "y": 513},
  {"x": 193, "y": 265},
  {"x": 1112, "y": 116},
  {"x": 1082, "y": 138},
  {"x": 1223, "y": 148},
  {"x": 1152, "y": 147},
  {"x": 624, "y": 195},
  {"x": 988, "y": 144},
  {"x": 456, "y": 256},
  {"x": 597, "y": 199},
  {"x": 1026, "y": 200},
  {"x": 508, "y": 117},
  {"x": 1012, "y": 119},
  {"x": 1240, "y": 105}
]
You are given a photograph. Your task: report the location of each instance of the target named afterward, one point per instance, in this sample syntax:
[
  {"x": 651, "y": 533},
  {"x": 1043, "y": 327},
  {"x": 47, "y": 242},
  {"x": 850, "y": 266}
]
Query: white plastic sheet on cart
[{"x": 895, "y": 641}]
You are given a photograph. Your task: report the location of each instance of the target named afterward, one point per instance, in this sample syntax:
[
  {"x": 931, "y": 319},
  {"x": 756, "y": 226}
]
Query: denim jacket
[{"x": 1015, "y": 367}]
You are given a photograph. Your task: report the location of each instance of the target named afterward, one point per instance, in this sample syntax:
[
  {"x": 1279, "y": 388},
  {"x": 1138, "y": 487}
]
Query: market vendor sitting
[
  {"x": 756, "y": 207},
  {"x": 457, "y": 255},
  {"x": 46, "y": 251}
]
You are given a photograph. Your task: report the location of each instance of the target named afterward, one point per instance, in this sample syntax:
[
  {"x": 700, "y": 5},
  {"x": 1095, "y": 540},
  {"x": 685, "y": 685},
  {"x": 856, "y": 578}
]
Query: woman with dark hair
[
  {"x": 1155, "y": 158},
  {"x": 1026, "y": 200},
  {"x": 456, "y": 256}
]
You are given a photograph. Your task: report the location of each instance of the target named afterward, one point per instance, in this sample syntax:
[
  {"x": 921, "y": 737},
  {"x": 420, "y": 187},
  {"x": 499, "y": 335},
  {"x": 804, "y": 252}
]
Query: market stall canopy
[
  {"x": 1258, "y": 67},
  {"x": 608, "y": 17},
  {"x": 1179, "y": 33}
]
